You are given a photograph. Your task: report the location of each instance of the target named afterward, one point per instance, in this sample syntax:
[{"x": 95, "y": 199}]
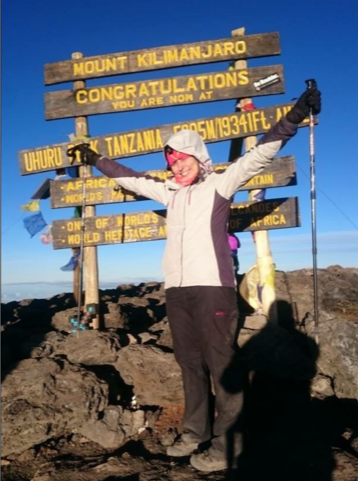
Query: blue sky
[{"x": 318, "y": 39}]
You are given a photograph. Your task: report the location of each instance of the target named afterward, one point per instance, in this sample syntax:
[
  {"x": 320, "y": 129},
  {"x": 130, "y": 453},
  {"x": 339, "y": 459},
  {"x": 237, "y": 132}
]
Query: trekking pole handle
[
  {"x": 311, "y": 84},
  {"x": 71, "y": 152}
]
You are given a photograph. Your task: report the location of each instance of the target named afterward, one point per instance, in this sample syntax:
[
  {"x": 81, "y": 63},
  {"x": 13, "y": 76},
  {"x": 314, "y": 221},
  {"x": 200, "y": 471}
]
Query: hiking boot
[
  {"x": 182, "y": 447},
  {"x": 209, "y": 461}
]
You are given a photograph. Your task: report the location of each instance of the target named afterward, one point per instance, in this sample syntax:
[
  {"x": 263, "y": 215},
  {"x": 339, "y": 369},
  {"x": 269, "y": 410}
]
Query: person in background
[
  {"x": 199, "y": 277},
  {"x": 234, "y": 244}
]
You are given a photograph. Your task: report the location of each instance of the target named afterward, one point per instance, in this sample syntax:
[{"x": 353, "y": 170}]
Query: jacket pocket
[{"x": 225, "y": 326}]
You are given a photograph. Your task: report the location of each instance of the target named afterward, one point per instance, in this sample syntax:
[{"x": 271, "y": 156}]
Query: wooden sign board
[
  {"x": 250, "y": 46},
  {"x": 149, "y": 140},
  {"x": 165, "y": 92},
  {"x": 102, "y": 190},
  {"x": 151, "y": 225}
]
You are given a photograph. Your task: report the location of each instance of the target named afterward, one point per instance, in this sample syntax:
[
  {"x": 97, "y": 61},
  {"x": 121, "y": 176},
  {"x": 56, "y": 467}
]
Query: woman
[{"x": 199, "y": 276}]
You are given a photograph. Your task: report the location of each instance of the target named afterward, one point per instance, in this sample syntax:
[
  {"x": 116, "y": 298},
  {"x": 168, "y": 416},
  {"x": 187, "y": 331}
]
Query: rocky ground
[{"x": 103, "y": 405}]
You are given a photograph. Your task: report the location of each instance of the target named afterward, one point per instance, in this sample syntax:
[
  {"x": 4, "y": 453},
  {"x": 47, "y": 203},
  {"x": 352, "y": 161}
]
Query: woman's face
[{"x": 187, "y": 168}]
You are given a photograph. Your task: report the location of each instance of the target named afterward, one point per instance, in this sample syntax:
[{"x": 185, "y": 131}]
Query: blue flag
[
  {"x": 34, "y": 223},
  {"x": 72, "y": 263}
]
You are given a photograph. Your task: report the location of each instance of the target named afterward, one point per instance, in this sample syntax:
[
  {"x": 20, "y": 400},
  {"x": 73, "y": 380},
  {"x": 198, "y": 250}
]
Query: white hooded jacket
[{"x": 197, "y": 252}]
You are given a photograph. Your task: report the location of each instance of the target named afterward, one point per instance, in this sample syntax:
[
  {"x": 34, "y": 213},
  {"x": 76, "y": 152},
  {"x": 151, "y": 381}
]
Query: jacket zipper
[{"x": 182, "y": 237}]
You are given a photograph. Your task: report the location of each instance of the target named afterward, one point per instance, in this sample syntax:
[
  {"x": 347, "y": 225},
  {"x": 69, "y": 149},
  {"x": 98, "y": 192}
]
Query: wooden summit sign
[
  {"x": 149, "y": 140},
  {"x": 151, "y": 225},
  {"x": 250, "y": 46},
  {"x": 148, "y": 94},
  {"x": 102, "y": 190}
]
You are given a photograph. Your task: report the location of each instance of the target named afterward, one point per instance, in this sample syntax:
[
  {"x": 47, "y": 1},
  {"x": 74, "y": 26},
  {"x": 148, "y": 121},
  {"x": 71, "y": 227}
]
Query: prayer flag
[
  {"x": 34, "y": 223},
  {"x": 72, "y": 263},
  {"x": 46, "y": 238},
  {"x": 32, "y": 206}
]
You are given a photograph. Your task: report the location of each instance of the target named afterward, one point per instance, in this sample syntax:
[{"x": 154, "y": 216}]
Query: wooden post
[
  {"x": 264, "y": 259},
  {"x": 76, "y": 279},
  {"x": 90, "y": 253}
]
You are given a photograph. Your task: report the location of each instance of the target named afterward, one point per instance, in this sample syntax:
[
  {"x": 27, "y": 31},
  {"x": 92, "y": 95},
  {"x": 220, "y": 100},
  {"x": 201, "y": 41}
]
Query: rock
[
  {"x": 168, "y": 438},
  {"x": 43, "y": 345},
  {"x": 337, "y": 291},
  {"x": 60, "y": 320},
  {"x": 132, "y": 422},
  {"x": 127, "y": 289},
  {"x": 28, "y": 455},
  {"x": 61, "y": 404},
  {"x": 8, "y": 313},
  {"x": 321, "y": 387},
  {"x": 133, "y": 301},
  {"x": 113, "y": 318},
  {"x": 154, "y": 374},
  {"x": 162, "y": 329},
  {"x": 116, "y": 428},
  {"x": 62, "y": 398},
  {"x": 37, "y": 313},
  {"x": 147, "y": 337},
  {"x": 132, "y": 339},
  {"x": 136, "y": 314},
  {"x": 92, "y": 347},
  {"x": 131, "y": 313},
  {"x": 18, "y": 344},
  {"x": 152, "y": 287},
  {"x": 255, "y": 322},
  {"x": 99, "y": 433},
  {"x": 339, "y": 296},
  {"x": 338, "y": 353}
]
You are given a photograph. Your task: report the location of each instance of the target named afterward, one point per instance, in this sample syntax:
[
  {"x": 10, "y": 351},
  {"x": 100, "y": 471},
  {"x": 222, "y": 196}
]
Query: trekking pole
[
  {"x": 311, "y": 83},
  {"x": 72, "y": 153}
]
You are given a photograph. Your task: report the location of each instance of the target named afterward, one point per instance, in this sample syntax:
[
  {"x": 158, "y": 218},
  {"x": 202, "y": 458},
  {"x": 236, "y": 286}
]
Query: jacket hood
[{"x": 189, "y": 142}]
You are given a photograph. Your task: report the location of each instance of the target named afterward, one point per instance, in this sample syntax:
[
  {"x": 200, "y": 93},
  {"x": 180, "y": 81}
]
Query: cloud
[{"x": 332, "y": 237}]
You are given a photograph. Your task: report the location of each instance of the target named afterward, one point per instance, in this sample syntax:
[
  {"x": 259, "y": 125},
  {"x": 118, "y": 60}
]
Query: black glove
[
  {"x": 88, "y": 156},
  {"x": 310, "y": 99}
]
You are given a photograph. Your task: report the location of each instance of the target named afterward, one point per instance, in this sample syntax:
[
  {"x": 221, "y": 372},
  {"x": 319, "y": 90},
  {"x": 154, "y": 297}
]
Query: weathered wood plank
[
  {"x": 250, "y": 46},
  {"x": 151, "y": 225},
  {"x": 102, "y": 190},
  {"x": 165, "y": 92},
  {"x": 149, "y": 140}
]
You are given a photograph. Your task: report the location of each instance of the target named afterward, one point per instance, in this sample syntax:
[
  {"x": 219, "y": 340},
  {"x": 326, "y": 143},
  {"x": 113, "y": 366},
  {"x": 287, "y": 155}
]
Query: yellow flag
[{"x": 32, "y": 206}]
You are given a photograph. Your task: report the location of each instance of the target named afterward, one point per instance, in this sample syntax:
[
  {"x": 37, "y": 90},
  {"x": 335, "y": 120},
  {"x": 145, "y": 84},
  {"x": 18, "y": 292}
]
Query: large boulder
[
  {"x": 337, "y": 292},
  {"x": 46, "y": 398},
  {"x": 60, "y": 320},
  {"x": 338, "y": 354},
  {"x": 38, "y": 344},
  {"x": 155, "y": 375},
  {"x": 92, "y": 347}
]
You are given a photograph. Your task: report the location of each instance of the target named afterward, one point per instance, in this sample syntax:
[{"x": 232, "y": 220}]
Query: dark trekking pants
[{"x": 204, "y": 325}]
